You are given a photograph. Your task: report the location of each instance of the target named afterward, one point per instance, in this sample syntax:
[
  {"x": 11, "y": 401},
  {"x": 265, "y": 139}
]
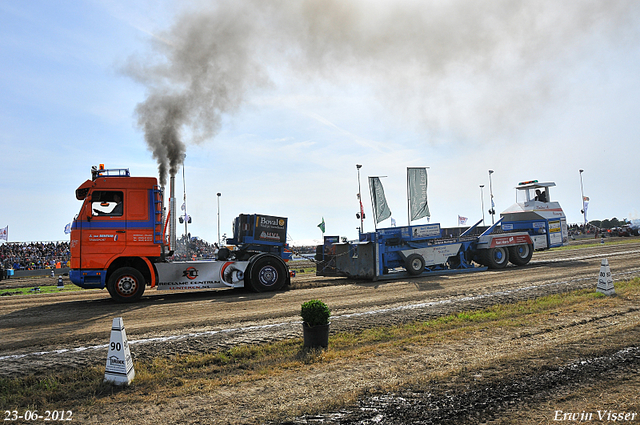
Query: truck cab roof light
[{"x": 102, "y": 172}]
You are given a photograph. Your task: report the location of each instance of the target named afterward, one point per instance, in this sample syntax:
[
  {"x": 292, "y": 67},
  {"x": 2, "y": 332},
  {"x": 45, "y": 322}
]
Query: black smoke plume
[{"x": 441, "y": 63}]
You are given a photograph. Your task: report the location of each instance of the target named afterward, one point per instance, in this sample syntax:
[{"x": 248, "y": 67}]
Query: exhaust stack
[
  {"x": 163, "y": 224},
  {"x": 172, "y": 215}
]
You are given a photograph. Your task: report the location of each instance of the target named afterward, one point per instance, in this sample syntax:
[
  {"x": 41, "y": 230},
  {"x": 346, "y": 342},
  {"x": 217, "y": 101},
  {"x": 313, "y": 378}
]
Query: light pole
[
  {"x": 482, "y": 201},
  {"x": 492, "y": 211},
  {"x": 219, "y": 194},
  {"x": 584, "y": 213},
  {"x": 360, "y": 214}
]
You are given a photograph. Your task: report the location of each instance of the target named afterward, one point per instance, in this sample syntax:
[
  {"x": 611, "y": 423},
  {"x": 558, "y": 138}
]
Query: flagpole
[
  {"x": 493, "y": 211},
  {"x": 408, "y": 201},
  {"x": 184, "y": 202},
  {"x": 358, "y": 167},
  {"x": 584, "y": 210}
]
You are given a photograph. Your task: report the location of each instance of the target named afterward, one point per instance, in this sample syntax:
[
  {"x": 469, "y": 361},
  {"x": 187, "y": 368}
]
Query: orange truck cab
[
  {"x": 119, "y": 227},
  {"x": 118, "y": 242}
]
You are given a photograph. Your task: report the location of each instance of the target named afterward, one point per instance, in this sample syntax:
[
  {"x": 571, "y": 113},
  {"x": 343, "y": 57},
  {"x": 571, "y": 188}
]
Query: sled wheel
[
  {"x": 414, "y": 264},
  {"x": 497, "y": 258},
  {"x": 126, "y": 285},
  {"x": 520, "y": 254}
]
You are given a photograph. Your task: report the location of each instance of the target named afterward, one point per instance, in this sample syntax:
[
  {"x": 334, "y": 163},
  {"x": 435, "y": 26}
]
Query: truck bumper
[{"x": 88, "y": 279}]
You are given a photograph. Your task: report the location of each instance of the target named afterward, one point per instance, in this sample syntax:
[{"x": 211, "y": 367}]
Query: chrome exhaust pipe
[{"x": 172, "y": 215}]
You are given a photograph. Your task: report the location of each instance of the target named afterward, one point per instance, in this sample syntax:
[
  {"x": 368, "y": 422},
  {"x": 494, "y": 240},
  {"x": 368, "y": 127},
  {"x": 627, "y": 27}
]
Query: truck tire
[
  {"x": 496, "y": 258},
  {"x": 414, "y": 264},
  {"x": 267, "y": 273},
  {"x": 520, "y": 254},
  {"x": 126, "y": 285}
]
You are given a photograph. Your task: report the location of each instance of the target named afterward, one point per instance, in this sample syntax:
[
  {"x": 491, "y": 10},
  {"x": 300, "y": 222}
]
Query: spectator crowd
[
  {"x": 194, "y": 248},
  {"x": 51, "y": 255},
  {"x": 581, "y": 229},
  {"x": 34, "y": 255}
]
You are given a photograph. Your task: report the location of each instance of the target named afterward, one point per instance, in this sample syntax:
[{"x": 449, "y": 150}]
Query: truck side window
[{"x": 106, "y": 203}]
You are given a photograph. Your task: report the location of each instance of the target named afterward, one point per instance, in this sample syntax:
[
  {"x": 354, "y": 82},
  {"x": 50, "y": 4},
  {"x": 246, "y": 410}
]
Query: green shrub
[{"x": 315, "y": 313}]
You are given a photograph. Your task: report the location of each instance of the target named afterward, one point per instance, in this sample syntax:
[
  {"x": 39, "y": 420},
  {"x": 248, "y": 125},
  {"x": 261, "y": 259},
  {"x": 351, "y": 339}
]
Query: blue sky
[{"x": 388, "y": 85}]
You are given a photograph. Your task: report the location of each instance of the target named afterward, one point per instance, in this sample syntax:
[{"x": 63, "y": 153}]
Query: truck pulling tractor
[
  {"x": 119, "y": 241},
  {"x": 532, "y": 223}
]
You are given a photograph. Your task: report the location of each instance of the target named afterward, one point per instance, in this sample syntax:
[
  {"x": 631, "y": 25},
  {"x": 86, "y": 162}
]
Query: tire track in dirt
[{"x": 478, "y": 404}]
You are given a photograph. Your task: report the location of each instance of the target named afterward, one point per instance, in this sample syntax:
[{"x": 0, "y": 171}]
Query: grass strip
[
  {"x": 44, "y": 289},
  {"x": 595, "y": 243}
]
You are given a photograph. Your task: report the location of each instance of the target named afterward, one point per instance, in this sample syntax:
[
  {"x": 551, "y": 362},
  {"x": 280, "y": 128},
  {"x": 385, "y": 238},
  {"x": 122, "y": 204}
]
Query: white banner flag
[
  {"x": 4, "y": 233},
  {"x": 381, "y": 210},
  {"x": 417, "y": 192},
  {"x": 462, "y": 220},
  {"x": 585, "y": 205}
]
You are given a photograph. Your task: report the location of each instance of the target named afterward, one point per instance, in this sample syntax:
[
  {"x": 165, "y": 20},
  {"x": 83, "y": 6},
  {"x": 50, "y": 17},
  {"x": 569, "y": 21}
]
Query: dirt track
[{"x": 204, "y": 321}]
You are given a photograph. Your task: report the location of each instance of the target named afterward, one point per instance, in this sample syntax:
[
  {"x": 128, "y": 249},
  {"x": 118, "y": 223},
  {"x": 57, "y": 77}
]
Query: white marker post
[
  {"x": 605, "y": 281},
  {"x": 119, "y": 370}
]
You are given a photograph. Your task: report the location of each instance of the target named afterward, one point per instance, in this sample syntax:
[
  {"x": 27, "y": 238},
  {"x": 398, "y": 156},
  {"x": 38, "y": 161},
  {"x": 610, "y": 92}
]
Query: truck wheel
[
  {"x": 414, "y": 264},
  {"x": 268, "y": 273},
  {"x": 520, "y": 254},
  {"x": 126, "y": 285},
  {"x": 496, "y": 258}
]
